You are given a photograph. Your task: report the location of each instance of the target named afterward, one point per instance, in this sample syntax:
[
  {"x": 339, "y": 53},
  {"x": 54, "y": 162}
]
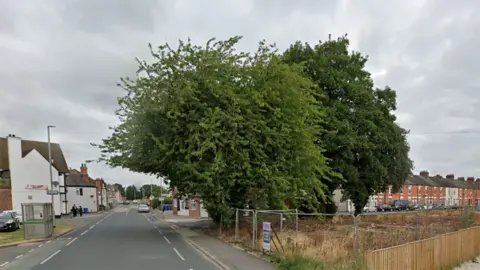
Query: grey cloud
[{"x": 62, "y": 59}]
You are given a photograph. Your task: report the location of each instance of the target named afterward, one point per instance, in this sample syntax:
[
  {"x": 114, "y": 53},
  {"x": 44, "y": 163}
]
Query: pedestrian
[
  {"x": 74, "y": 210},
  {"x": 80, "y": 210}
]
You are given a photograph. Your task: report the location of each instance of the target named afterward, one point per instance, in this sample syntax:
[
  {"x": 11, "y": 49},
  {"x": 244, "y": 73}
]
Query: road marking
[
  {"x": 31, "y": 250},
  {"x": 19, "y": 256},
  {"x": 3, "y": 264},
  {"x": 40, "y": 245},
  {"x": 91, "y": 227},
  {"x": 83, "y": 233},
  {"x": 179, "y": 255},
  {"x": 166, "y": 239},
  {"x": 160, "y": 231},
  {"x": 97, "y": 222},
  {"x": 69, "y": 243},
  {"x": 49, "y": 241},
  {"x": 51, "y": 256},
  {"x": 127, "y": 212}
]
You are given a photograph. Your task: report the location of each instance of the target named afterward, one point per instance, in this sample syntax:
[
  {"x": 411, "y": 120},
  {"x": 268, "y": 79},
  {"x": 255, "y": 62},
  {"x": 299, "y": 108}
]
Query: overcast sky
[{"x": 60, "y": 61}]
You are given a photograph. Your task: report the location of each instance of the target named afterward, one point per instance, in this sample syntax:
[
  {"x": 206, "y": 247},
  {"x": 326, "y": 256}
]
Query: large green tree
[
  {"x": 364, "y": 144},
  {"x": 239, "y": 129}
]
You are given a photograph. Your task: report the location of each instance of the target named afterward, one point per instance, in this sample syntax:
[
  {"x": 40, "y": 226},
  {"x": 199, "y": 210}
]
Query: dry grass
[{"x": 333, "y": 239}]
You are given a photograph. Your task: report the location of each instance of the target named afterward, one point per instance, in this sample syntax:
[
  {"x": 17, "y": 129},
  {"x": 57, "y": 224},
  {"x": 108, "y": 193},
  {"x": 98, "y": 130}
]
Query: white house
[
  {"x": 26, "y": 164},
  {"x": 80, "y": 193}
]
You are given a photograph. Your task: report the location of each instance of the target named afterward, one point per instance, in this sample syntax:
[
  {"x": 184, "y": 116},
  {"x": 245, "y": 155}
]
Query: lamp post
[{"x": 51, "y": 173}]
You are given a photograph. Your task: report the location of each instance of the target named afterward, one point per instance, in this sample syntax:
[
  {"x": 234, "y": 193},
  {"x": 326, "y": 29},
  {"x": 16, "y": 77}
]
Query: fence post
[
  {"x": 221, "y": 224},
  {"x": 417, "y": 226},
  {"x": 236, "y": 224},
  {"x": 355, "y": 236},
  {"x": 281, "y": 222},
  {"x": 296, "y": 220},
  {"x": 254, "y": 230}
]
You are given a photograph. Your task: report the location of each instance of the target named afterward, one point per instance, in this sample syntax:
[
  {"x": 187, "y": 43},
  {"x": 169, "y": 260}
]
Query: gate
[{"x": 37, "y": 220}]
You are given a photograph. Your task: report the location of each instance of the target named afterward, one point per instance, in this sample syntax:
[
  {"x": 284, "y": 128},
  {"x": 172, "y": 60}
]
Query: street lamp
[{"x": 51, "y": 173}]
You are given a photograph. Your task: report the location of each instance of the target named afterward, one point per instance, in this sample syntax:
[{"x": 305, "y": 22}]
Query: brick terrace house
[{"x": 424, "y": 189}]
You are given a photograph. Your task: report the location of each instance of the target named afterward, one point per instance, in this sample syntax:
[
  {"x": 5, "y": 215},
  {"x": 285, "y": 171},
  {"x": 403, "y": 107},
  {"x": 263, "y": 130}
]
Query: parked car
[
  {"x": 18, "y": 214},
  {"x": 143, "y": 208},
  {"x": 384, "y": 208},
  {"x": 8, "y": 222},
  {"x": 369, "y": 209},
  {"x": 400, "y": 205}
]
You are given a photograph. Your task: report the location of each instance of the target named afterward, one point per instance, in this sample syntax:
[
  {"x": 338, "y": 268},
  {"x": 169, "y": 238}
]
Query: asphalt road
[{"x": 122, "y": 239}]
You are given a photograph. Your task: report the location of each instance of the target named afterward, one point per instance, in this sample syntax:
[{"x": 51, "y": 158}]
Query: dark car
[
  {"x": 384, "y": 208},
  {"x": 401, "y": 205},
  {"x": 8, "y": 222}
]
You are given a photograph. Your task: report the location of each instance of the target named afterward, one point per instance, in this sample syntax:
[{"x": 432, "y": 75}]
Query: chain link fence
[{"x": 332, "y": 237}]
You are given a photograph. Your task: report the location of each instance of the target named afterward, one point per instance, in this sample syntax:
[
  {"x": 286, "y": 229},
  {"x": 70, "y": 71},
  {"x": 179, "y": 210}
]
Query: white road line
[
  {"x": 73, "y": 240},
  {"x": 49, "y": 241},
  {"x": 40, "y": 245},
  {"x": 97, "y": 222},
  {"x": 31, "y": 250},
  {"x": 83, "y": 233},
  {"x": 160, "y": 231},
  {"x": 51, "y": 256},
  {"x": 179, "y": 255},
  {"x": 91, "y": 227},
  {"x": 19, "y": 256},
  {"x": 166, "y": 239},
  {"x": 3, "y": 264},
  {"x": 127, "y": 212}
]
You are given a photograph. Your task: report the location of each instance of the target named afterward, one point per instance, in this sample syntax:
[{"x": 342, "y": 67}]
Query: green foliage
[
  {"x": 157, "y": 190},
  {"x": 238, "y": 129},
  {"x": 363, "y": 142},
  {"x": 155, "y": 203},
  {"x": 167, "y": 200},
  {"x": 5, "y": 183},
  {"x": 132, "y": 193}
]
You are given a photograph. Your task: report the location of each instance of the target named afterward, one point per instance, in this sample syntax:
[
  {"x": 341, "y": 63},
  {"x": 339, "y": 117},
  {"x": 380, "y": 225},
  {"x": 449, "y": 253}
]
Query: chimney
[
  {"x": 461, "y": 179},
  {"x": 450, "y": 176},
  {"x": 438, "y": 176},
  {"x": 424, "y": 174},
  {"x": 14, "y": 155},
  {"x": 84, "y": 172},
  {"x": 478, "y": 180},
  {"x": 471, "y": 179}
]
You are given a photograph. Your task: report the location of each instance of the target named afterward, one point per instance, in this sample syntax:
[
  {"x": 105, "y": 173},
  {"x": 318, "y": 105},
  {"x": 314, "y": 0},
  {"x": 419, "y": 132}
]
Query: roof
[
  {"x": 443, "y": 182},
  {"x": 77, "y": 172},
  {"x": 59, "y": 161},
  {"x": 73, "y": 180},
  {"x": 417, "y": 180}
]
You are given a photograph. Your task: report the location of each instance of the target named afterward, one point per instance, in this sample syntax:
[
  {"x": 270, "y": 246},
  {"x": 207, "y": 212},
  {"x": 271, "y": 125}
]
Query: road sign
[
  {"x": 267, "y": 236},
  {"x": 53, "y": 192}
]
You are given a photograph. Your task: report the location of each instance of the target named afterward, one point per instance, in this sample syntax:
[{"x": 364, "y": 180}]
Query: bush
[
  {"x": 167, "y": 200},
  {"x": 155, "y": 203}
]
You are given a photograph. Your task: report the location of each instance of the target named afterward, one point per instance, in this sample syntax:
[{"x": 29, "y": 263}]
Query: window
[
  {"x": 409, "y": 190},
  {"x": 79, "y": 191},
  {"x": 390, "y": 190}
]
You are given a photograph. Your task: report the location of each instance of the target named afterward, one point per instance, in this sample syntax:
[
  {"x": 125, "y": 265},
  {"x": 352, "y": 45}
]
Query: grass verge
[
  {"x": 18, "y": 235},
  {"x": 299, "y": 263}
]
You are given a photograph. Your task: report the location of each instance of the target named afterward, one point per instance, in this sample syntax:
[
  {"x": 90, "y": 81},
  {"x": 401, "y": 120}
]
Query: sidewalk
[{"x": 229, "y": 256}]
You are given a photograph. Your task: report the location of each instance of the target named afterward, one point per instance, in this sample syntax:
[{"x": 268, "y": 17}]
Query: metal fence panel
[{"x": 245, "y": 228}]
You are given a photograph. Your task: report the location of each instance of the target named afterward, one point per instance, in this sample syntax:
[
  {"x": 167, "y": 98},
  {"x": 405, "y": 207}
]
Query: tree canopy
[
  {"x": 239, "y": 129},
  {"x": 363, "y": 144}
]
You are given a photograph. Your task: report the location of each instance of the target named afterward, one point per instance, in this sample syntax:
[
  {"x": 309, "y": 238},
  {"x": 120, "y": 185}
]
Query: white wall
[
  {"x": 451, "y": 196},
  {"x": 33, "y": 169},
  {"x": 87, "y": 200}
]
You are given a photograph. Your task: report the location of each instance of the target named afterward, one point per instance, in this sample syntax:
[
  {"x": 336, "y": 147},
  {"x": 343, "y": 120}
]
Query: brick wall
[{"x": 5, "y": 199}]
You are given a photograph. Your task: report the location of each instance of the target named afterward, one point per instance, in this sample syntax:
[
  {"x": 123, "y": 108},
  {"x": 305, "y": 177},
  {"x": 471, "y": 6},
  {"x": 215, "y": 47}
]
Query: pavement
[
  {"x": 120, "y": 239},
  {"x": 226, "y": 255}
]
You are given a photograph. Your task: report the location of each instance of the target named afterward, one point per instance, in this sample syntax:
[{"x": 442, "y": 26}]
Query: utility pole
[{"x": 51, "y": 173}]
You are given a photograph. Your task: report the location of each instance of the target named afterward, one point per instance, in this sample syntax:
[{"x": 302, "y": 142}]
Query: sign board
[
  {"x": 52, "y": 192},
  {"x": 37, "y": 187},
  {"x": 267, "y": 235}
]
